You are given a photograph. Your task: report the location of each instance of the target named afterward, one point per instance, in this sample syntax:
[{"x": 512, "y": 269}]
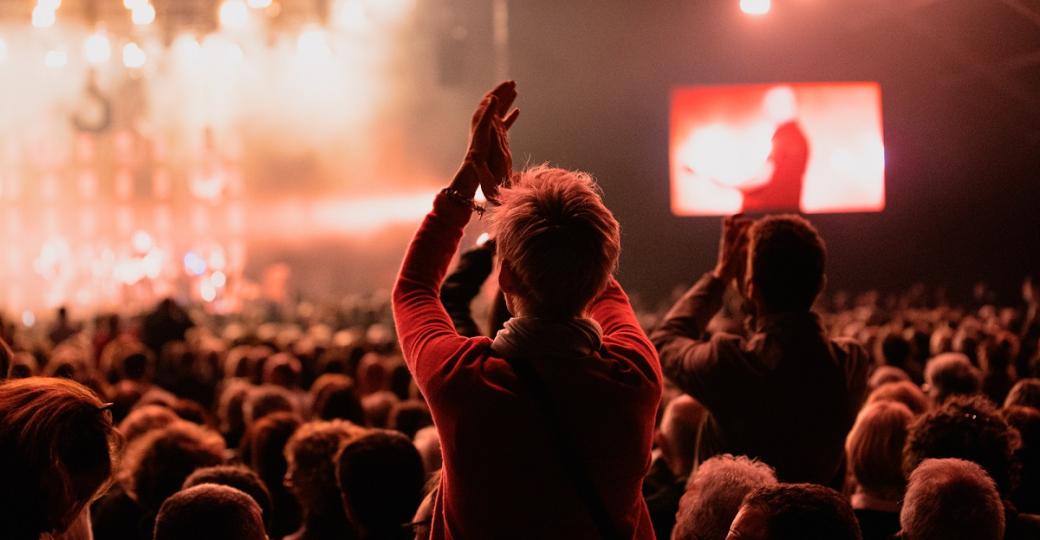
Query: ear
[{"x": 507, "y": 280}]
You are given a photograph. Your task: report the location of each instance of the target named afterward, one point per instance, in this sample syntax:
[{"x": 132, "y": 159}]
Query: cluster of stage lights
[{"x": 234, "y": 16}]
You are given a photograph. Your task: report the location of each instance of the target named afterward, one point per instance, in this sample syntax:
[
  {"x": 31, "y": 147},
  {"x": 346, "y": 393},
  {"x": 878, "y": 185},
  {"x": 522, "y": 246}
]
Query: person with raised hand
[
  {"x": 786, "y": 394},
  {"x": 546, "y": 430}
]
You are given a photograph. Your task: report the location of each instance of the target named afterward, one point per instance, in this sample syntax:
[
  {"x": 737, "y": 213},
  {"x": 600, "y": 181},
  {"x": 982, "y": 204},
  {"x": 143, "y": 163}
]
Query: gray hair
[
  {"x": 951, "y": 499},
  {"x": 714, "y": 494}
]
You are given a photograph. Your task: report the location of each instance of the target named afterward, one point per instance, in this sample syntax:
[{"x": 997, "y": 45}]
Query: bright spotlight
[
  {"x": 143, "y": 14},
  {"x": 97, "y": 49},
  {"x": 56, "y": 59},
  {"x": 43, "y": 17},
  {"x": 350, "y": 15},
  {"x": 389, "y": 10},
  {"x": 756, "y": 7},
  {"x": 134, "y": 4},
  {"x": 133, "y": 56},
  {"x": 259, "y": 4},
  {"x": 234, "y": 14},
  {"x": 313, "y": 44},
  {"x": 52, "y": 5}
]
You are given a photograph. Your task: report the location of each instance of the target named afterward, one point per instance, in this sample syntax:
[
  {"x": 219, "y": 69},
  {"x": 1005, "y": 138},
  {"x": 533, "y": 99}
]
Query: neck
[{"x": 863, "y": 500}]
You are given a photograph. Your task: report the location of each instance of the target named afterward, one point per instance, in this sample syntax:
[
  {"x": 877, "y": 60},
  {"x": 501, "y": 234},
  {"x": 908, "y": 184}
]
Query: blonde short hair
[{"x": 558, "y": 238}]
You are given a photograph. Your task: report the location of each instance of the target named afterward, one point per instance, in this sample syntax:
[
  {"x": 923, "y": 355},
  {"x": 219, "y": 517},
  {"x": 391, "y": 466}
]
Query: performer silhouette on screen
[{"x": 787, "y": 162}]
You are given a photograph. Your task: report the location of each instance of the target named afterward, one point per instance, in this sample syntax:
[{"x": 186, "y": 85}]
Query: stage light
[
  {"x": 134, "y": 4},
  {"x": 56, "y": 59},
  {"x": 52, "y": 5},
  {"x": 259, "y": 4},
  {"x": 134, "y": 56},
  {"x": 97, "y": 49},
  {"x": 43, "y": 17},
  {"x": 207, "y": 291},
  {"x": 141, "y": 241},
  {"x": 389, "y": 10},
  {"x": 234, "y": 14},
  {"x": 194, "y": 264},
  {"x": 218, "y": 279},
  {"x": 756, "y": 7},
  {"x": 350, "y": 15},
  {"x": 143, "y": 14},
  {"x": 313, "y": 44},
  {"x": 28, "y": 319}
]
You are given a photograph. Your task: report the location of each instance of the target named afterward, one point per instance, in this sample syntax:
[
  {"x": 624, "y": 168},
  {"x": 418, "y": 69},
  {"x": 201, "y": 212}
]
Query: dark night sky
[{"x": 962, "y": 152}]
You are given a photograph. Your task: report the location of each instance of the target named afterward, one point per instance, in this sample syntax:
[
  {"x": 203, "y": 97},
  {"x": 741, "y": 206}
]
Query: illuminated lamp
[
  {"x": 43, "y": 17},
  {"x": 143, "y": 14},
  {"x": 755, "y": 7},
  {"x": 97, "y": 49},
  {"x": 234, "y": 14},
  {"x": 134, "y": 56}
]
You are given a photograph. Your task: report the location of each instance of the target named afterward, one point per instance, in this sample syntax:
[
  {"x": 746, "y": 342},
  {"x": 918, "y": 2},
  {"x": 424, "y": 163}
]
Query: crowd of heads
[{"x": 175, "y": 425}]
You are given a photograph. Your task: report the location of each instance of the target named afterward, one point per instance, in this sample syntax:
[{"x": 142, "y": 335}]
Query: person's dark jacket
[{"x": 788, "y": 395}]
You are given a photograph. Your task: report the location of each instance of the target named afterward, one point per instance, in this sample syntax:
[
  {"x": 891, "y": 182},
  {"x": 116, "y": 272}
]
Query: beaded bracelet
[{"x": 457, "y": 197}]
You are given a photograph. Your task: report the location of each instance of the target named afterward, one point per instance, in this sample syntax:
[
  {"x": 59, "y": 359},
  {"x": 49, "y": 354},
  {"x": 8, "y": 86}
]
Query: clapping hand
[
  {"x": 733, "y": 248},
  {"x": 489, "y": 162}
]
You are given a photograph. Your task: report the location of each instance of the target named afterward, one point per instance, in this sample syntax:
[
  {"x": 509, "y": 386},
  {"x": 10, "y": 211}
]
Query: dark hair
[
  {"x": 335, "y": 396},
  {"x": 951, "y": 374},
  {"x": 239, "y": 477},
  {"x": 1026, "y": 392},
  {"x": 156, "y": 465},
  {"x": 804, "y": 512},
  {"x": 410, "y": 416},
  {"x": 1027, "y": 421},
  {"x": 266, "y": 399},
  {"x": 904, "y": 392},
  {"x": 787, "y": 258},
  {"x": 209, "y": 512},
  {"x": 57, "y": 442},
  {"x": 381, "y": 477},
  {"x": 969, "y": 428}
]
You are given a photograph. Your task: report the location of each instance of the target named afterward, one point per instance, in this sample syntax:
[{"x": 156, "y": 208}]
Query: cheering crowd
[{"x": 755, "y": 407}]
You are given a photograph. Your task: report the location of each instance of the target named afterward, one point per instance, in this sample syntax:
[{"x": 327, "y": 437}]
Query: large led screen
[{"x": 789, "y": 147}]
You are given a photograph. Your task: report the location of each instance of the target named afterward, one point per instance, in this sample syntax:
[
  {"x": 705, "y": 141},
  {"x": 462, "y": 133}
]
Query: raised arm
[
  {"x": 427, "y": 335},
  {"x": 686, "y": 357}
]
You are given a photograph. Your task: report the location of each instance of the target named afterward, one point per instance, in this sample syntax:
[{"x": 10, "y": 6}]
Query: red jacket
[{"x": 502, "y": 476}]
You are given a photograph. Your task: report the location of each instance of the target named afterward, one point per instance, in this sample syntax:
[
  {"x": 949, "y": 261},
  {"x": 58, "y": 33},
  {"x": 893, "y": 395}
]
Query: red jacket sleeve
[
  {"x": 613, "y": 311},
  {"x": 427, "y": 336}
]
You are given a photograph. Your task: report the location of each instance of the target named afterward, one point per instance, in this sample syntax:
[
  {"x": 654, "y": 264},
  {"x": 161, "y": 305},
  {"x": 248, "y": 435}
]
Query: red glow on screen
[{"x": 809, "y": 147}]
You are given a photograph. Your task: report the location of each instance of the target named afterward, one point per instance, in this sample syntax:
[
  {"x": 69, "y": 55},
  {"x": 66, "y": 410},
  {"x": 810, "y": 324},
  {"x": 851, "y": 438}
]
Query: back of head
[
  {"x": 714, "y": 494},
  {"x": 801, "y": 512},
  {"x": 310, "y": 453},
  {"x": 1026, "y": 393},
  {"x": 786, "y": 258},
  {"x": 410, "y": 416},
  {"x": 678, "y": 433},
  {"x": 886, "y": 374},
  {"x": 969, "y": 428},
  {"x": 143, "y": 419},
  {"x": 875, "y": 448},
  {"x": 381, "y": 477},
  {"x": 951, "y": 374},
  {"x": 951, "y": 499},
  {"x": 335, "y": 396},
  {"x": 561, "y": 243},
  {"x": 268, "y": 438},
  {"x": 156, "y": 464},
  {"x": 266, "y": 399},
  {"x": 239, "y": 477},
  {"x": 904, "y": 392},
  {"x": 210, "y": 512},
  {"x": 56, "y": 447}
]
